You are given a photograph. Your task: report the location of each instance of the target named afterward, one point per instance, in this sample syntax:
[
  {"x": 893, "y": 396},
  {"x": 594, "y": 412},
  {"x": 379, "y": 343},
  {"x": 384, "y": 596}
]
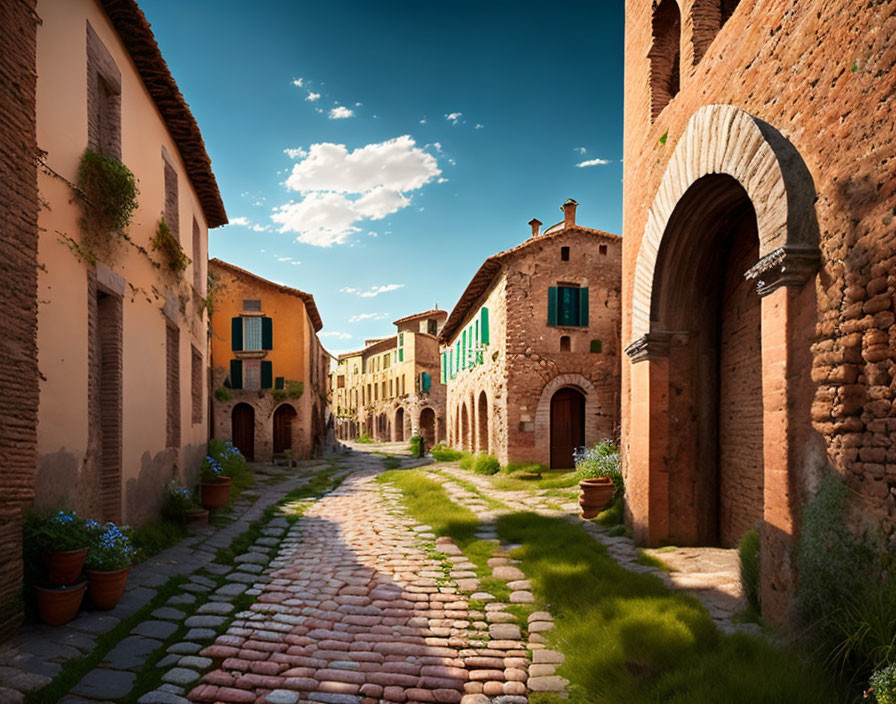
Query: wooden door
[
  {"x": 243, "y": 429},
  {"x": 283, "y": 418},
  {"x": 567, "y": 427}
]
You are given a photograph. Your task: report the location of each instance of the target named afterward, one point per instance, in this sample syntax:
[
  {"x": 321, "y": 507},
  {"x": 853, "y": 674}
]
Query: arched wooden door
[
  {"x": 567, "y": 427},
  {"x": 283, "y": 418},
  {"x": 242, "y": 429}
]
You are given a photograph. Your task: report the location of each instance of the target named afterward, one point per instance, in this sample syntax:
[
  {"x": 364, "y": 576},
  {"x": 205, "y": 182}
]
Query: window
[
  {"x": 340, "y": 382},
  {"x": 196, "y": 383},
  {"x": 280, "y": 382},
  {"x": 564, "y": 343},
  {"x": 391, "y": 388},
  {"x": 172, "y": 213},
  {"x": 665, "y": 56},
  {"x": 251, "y": 304},
  {"x": 172, "y": 385},
  {"x": 402, "y": 386},
  {"x": 252, "y": 334},
  {"x": 103, "y": 98},
  {"x": 564, "y": 254},
  {"x": 596, "y": 346},
  {"x": 568, "y": 306},
  {"x": 251, "y": 374},
  {"x": 602, "y": 249},
  {"x": 197, "y": 258},
  {"x": 432, "y": 327}
]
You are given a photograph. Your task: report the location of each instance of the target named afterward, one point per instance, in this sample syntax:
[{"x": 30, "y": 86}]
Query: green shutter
[
  {"x": 425, "y": 381},
  {"x": 583, "y": 307},
  {"x": 401, "y": 355},
  {"x": 236, "y": 374},
  {"x": 463, "y": 350},
  {"x": 267, "y": 374},
  {"x": 279, "y": 382},
  {"x": 444, "y": 364},
  {"x": 457, "y": 357},
  {"x": 236, "y": 334},
  {"x": 483, "y": 328},
  {"x": 596, "y": 346},
  {"x": 552, "y": 305},
  {"x": 267, "y": 334}
]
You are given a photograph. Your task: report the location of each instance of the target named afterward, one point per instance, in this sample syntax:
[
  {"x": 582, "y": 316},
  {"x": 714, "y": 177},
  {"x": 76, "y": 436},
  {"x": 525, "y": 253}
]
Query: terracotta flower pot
[
  {"x": 197, "y": 517},
  {"x": 64, "y": 567},
  {"x": 215, "y": 494},
  {"x": 596, "y": 495},
  {"x": 59, "y": 605},
  {"x": 106, "y": 587}
]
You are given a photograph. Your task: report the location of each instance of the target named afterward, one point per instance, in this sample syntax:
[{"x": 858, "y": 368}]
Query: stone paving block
[
  {"x": 130, "y": 652},
  {"x": 200, "y": 634},
  {"x": 215, "y": 608},
  {"x": 155, "y": 629},
  {"x": 160, "y": 696},
  {"x": 94, "y": 623},
  {"x": 169, "y": 613},
  {"x": 185, "y": 648},
  {"x": 105, "y": 684},
  {"x": 195, "y": 662},
  {"x": 23, "y": 681},
  {"x": 204, "y": 621},
  {"x": 181, "y": 599},
  {"x": 180, "y": 676}
]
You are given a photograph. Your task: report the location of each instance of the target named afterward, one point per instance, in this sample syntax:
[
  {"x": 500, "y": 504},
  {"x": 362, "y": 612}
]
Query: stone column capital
[
  {"x": 790, "y": 265},
  {"x": 654, "y": 345}
]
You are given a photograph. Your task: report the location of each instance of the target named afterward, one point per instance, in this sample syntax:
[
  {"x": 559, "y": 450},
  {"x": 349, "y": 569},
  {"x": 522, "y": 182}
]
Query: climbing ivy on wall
[{"x": 107, "y": 192}]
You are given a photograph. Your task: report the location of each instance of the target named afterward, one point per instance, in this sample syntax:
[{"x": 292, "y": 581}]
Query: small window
[
  {"x": 602, "y": 249},
  {"x": 196, "y": 384},
  {"x": 564, "y": 343},
  {"x": 280, "y": 382},
  {"x": 172, "y": 211},
  {"x": 596, "y": 346},
  {"x": 432, "y": 327},
  {"x": 564, "y": 254},
  {"x": 251, "y": 374},
  {"x": 252, "y": 305}
]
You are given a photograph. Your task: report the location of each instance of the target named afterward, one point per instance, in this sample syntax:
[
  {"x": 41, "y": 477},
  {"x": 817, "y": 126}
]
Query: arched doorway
[
  {"x": 242, "y": 429},
  {"x": 428, "y": 427},
  {"x": 399, "y": 425},
  {"x": 464, "y": 440},
  {"x": 715, "y": 363},
  {"x": 482, "y": 443},
  {"x": 283, "y": 418},
  {"x": 567, "y": 427}
]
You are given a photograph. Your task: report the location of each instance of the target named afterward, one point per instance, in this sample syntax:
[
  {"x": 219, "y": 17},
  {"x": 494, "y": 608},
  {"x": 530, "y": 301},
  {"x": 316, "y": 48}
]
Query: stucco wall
[{"x": 151, "y": 294}]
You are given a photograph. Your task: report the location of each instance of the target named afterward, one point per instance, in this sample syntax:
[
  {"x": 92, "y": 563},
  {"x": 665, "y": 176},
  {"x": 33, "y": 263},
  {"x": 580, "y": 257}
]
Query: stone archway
[
  {"x": 398, "y": 425},
  {"x": 464, "y": 440},
  {"x": 283, "y": 427},
  {"x": 428, "y": 427},
  {"x": 735, "y": 204},
  {"x": 543, "y": 413}
]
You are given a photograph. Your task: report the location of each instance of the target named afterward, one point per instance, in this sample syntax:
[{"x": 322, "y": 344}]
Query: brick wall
[{"x": 18, "y": 285}]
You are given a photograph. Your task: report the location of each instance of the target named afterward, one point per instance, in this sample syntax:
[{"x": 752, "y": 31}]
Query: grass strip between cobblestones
[
  {"x": 472, "y": 488},
  {"x": 628, "y": 638},
  {"x": 74, "y": 670}
]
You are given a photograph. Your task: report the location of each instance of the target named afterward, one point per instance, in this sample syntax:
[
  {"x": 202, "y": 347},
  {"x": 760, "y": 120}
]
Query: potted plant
[
  {"x": 59, "y": 605},
  {"x": 179, "y": 506},
  {"x": 214, "y": 486},
  {"x": 601, "y": 477},
  {"x": 108, "y": 563},
  {"x": 61, "y": 540}
]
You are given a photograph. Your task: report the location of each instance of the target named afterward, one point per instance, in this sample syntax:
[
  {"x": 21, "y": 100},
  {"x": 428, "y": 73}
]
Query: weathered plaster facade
[
  {"x": 500, "y": 390},
  {"x": 277, "y": 381},
  {"x": 118, "y": 329},
  {"x": 758, "y": 269},
  {"x": 392, "y": 389}
]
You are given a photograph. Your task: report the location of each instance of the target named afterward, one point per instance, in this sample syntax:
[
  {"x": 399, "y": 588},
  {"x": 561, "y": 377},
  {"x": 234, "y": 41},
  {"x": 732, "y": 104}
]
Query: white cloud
[
  {"x": 340, "y": 188},
  {"x": 580, "y": 150},
  {"x": 373, "y": 291},
  {"x": 423, "y": 121},
  {"x": 479, "y": 126},
  {"x": 284, "y": 259},
  {"x": 335, "y": 333},
  {"x": 297, "y": 82},
  {"x": 366, "y": 316},
  {"x": 260, "y": 228},
  {"x": 241, "y": 220},
  {"x": 593, "y": 162},
  {"x": 340, "y": 113},
  {"x": 357, "y": 105},
  {"x": 453, "y": 117},
  {"x": 297, "y": 153},
  {"x": 312, "y": 96}
]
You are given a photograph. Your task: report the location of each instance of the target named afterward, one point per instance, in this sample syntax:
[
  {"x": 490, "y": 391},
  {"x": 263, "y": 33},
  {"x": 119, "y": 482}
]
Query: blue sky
[{"x": 375, "y": 153}]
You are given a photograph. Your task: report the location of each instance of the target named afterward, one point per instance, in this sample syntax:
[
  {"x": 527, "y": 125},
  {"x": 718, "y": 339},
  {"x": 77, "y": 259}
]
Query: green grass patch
[
  {"x": 492, "y": 503},
  {"x": 612, "y": 516},
  {"x": 74, "y": 670},
  {"x": 153, "y": 537},
  {"x": 391, "y": 462},
  {"x": 443, "y": 453},
  {"x": 649, "y": 560},
  {"x": 627, "y": 638},
  {"x": 364, "y": 438},
  {"x": 531, "y": 481}
]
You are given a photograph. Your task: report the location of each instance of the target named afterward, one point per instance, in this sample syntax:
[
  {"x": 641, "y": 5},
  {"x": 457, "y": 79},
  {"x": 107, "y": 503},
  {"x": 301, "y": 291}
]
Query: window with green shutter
[
  {"x": 401, "y": 355},
  {"x": 267, "y": 374},
  {"x": 463, "y": 350},
  {"x": 552, "y": 305},
  {"x": 568, "y": 306},
  {"x": 425, "y": 381},
  {"x": 444, "y": 362},
  {"x": 236, "y": 334},
  {"x": 236, "y": 374},
  {"x": 280, "y": 382},
  {"x": 483, "y": 327},
  {"x": 267, "y": 334}
]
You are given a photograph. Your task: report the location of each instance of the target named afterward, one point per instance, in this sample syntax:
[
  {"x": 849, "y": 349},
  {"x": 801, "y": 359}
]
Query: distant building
[
  {"x": 269, "y": 369},
  {"x": 758, "y": 271},
  {"x": 531, "y": 351},
  {"x": 392, "y": 389}
]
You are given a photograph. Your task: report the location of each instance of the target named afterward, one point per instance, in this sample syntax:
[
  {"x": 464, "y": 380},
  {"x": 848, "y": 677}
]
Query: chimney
[
  {"x": 535, "y": 224},
  {"x": 569, "y": 213}
]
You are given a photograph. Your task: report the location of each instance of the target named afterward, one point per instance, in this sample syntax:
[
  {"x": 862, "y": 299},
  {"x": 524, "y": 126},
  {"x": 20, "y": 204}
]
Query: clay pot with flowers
[
  {"x": 58, "y": 543},
  {"x": 179, "y": 506},
  {"x": 214, "y": 485},
  {"x": 600, "y": 477},
  {"x": 108, "y": 563}
]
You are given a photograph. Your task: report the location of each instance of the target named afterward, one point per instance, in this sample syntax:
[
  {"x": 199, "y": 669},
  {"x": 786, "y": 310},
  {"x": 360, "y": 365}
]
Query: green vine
[
  {"x": 107, "y": 191},
  {"x": 165, "y": 242}
]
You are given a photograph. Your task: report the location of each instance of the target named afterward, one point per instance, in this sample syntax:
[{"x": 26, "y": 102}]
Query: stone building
[
  {"x": 269, "y": 369},
  {"x": 531, "y": 350},
  {"x": 392, "y": 389},
  {"x": 122, "y": 322},
  {"x": 19, "y": 379},
  {"x": 759, "y": 268}
]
